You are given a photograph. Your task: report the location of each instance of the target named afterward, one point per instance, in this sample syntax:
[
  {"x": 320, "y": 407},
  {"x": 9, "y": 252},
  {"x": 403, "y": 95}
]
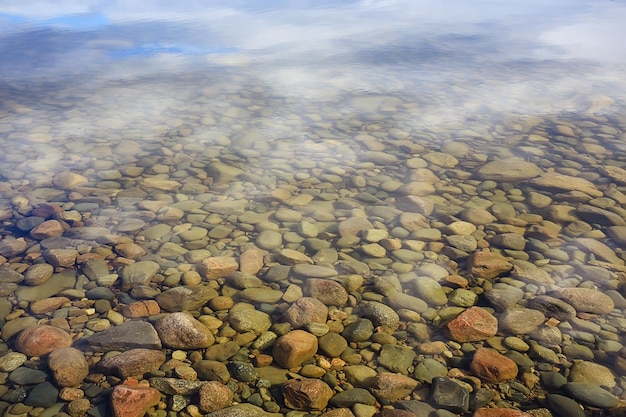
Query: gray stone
[
  {"x": 269, "y": 240},
  {"x": 174, "y": 386},
  {"x": 139, "y": 273},
  {"x": 553, "y": 381},
  {"x": 400, "y": 300},
  {"x": 397, "y": 358},
  {"x": 43, "y": 395},
  {"x": 504, "y": 298},
  {"x": 359, "y": 331},
  {"x": 353, "y": 396},
  {"x": 430, "y": 291},
  {"x": 27, "y": 376},
  {"x": 564, "y": 406},
  {"x": 186, "y": 298},
  {"x": 429, "y": 368},
  {"x": 450, "y": 395},
  {"x": 520, "y": 320},
  {"x": 53, "y": 286},
  {"x": 591, "y": 395},
  {"x": 242, "y": 371},
  {"x": 134, "y": 334}
]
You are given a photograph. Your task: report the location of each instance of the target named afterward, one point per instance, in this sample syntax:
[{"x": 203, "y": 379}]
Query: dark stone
[
  {"x": 43, "y": 395},
  {"x": 553, "y": 381},
  {"x": 174, "y": 386},
  {"x": 450, "y": 395},
  {"x": 352, "y": 396},
  {"x": 564, "y": 406},
  {"x": 419, "y": 408},
  {"x": 242, "y": 371},
  {"x": 592, "y": 395},
  {"x": 359, "y": 331},
  {"x": 27, "y": 376},
  {"x": 133, "y": 334},
  {"x": 100, "y": 293},
  {"x": 480, "y": 398}
]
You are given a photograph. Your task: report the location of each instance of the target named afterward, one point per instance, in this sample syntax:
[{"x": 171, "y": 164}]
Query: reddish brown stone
[
  {"x": 218, "y": 267},
  {"x": 47, "y": 229},
  {"x": 499, "y": 412},
  {"x": 492, "y": 367},
  {"x": 68, "y": 365},
  {"x": 306, "y": 394},
  {"x": 485, "y": 264},
  {"x": 214, "y": 396},
  {"x": 251, "y": 261},
  {"x": 262, "y": 360},
  {"x": 304, "y": 311},
  {"x": 133, "y": 363},
  {"x": 48, "y": 305},
  {"x": 143, "y": 308},
  {"x": 472, "y": 325},
  {"x": 293, "y": 348},
  {"x": 42, "y": 339},
  {"x": 130, "y": 400}
]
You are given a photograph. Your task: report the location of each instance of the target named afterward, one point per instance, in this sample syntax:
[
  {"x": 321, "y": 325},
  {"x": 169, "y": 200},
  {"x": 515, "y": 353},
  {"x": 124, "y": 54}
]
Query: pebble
[
  {"x": 397, "y": 358},
  {"x": 132, "y": 400},
  {"x": 592, "y": 373},
  {"x": 306, "y": 394},
  {"x": 293, "y": 348},
  {"x": 450, "y": 395},
  {"x": 591, "y": 394},
  {"x": 134, "y": 334},
  {"x": 42, "y": 339},
  {"x": 492, "y": 367},
  {"x": 304, "y": 311},
  {"x": 473, "y": 324},
  {"x": 68, "y": 366},
  {"x": 133, "y": 363},
  {"x": 586, "y": 300},
  {"x": 214, "y": 396},
  {"x": 520, "y": 320},
  {"x": 350, "y": 397}
]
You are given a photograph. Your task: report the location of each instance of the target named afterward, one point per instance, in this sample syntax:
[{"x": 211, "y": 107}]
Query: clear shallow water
[{"x": 296, "y": 96}]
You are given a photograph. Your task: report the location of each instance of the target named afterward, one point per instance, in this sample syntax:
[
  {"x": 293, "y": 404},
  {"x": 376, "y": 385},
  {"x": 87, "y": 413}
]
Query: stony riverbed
[{"x": 370, "y": 266}]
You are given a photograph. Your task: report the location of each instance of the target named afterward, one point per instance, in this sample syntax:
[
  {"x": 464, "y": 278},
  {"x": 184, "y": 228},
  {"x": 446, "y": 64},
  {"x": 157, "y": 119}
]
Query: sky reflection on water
[{"x": 526, "y": 57}]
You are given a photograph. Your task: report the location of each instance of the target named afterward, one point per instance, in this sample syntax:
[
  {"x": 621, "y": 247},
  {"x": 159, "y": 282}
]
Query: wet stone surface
[{"x": 374, "y": 266}]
